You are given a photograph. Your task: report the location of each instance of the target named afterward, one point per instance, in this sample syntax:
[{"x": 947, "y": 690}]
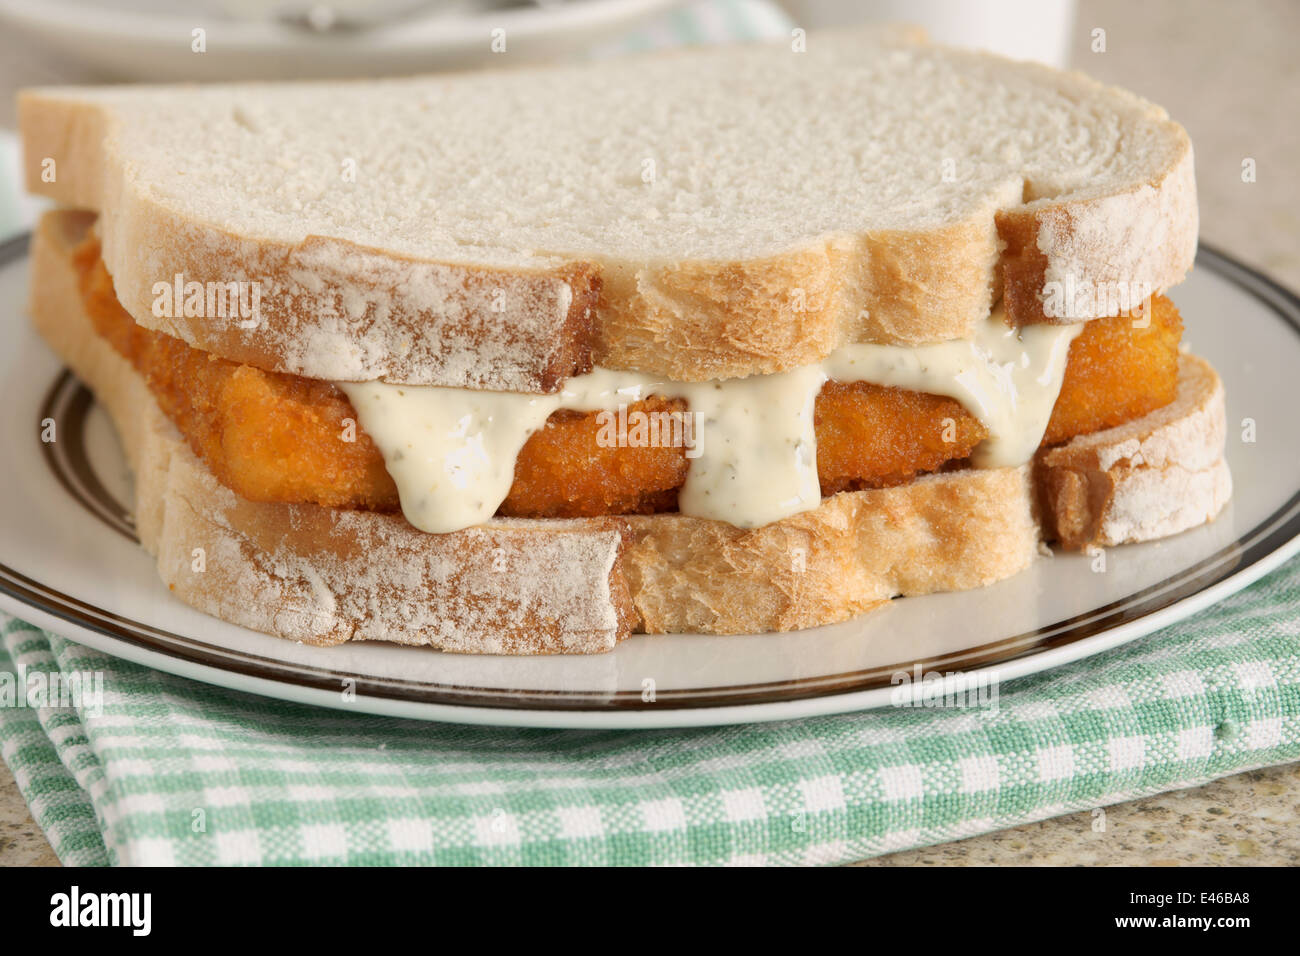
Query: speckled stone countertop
[
  {"x": 21, "y": 841},
  {"x": 1251, "y": 819},
  {"x": 1228, "y": 73}
]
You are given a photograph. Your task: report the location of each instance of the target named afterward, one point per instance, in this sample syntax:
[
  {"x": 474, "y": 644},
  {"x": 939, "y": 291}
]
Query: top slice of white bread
[{"x": 740, "y": 210}]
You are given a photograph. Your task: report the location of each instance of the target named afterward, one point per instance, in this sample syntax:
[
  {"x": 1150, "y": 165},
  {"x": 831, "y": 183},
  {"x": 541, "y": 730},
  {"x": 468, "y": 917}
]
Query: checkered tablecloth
[
  {"x": 160, "y": 769},
  {"x": 172, "y": 771}
]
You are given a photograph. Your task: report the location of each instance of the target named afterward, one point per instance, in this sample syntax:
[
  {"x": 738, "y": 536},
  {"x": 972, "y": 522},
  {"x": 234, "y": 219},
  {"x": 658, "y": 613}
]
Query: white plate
[
  {"x": 138, "y": 40},
  {"x": 68, "y": 562}
]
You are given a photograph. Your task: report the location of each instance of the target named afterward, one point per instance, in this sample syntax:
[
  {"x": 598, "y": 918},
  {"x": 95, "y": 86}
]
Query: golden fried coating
[
  {"x": 870, "y": 436},
  {"x": 269, "y": 436},
  {"x": 1118, "y": 372},
  {"x": 265, "y": 435},
  {"x": 564, "y": 471}
]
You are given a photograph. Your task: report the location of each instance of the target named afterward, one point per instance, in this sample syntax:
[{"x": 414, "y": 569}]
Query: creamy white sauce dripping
[{"x": 452, "y": 451}]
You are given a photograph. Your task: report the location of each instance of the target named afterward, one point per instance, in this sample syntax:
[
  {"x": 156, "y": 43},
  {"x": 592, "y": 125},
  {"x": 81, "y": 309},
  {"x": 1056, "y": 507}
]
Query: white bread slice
[
  {"x": 1146, "y": 479},
  {"x": 324, "y": 576},
  {"x": 500, "y": 231}
]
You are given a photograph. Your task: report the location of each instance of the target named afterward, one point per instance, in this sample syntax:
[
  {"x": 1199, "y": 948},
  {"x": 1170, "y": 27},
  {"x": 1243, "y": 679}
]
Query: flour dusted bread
[
  {"x": 505, "y": 230},
  {"x": 1149, "y": 478},
  {"x": 527, "y": 586}
]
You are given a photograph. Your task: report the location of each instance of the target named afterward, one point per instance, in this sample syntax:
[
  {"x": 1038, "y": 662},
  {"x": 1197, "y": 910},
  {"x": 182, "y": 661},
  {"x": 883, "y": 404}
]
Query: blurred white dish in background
[
  {"x": 272, "y": 39},
  {"x": 1021, "y": 29}
]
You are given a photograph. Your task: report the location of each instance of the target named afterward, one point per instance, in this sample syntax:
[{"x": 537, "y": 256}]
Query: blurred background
[
  {"x": 245, "y": 39},
  {"x": 1226, "y": 70},
  {"x": 1223, "y": 68}
]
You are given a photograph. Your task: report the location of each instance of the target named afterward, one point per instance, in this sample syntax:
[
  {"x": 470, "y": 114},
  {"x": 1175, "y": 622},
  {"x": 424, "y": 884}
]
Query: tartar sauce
[{"x": 452, "y": 451}]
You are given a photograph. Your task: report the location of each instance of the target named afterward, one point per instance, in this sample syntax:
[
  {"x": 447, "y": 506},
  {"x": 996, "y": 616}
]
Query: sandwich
[{"x": 720, "y": 341}]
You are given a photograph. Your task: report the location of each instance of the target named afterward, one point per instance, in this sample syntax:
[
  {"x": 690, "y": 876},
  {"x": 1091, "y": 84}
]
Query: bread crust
[
  {"x": 337, "y": 311},
  {"x": 699, "y": 321},
  {"x": 1143, "y": 237},
  {"x": 943, "y": 532},
  {"x": 1150, "y": 478}
]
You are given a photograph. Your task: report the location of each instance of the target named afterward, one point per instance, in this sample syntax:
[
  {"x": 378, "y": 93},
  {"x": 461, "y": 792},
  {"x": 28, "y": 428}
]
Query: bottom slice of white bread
[{"x": 325, "y": 576}]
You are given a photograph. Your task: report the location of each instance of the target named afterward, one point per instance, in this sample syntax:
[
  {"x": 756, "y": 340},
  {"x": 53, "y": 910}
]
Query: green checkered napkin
[{"x": 172, "y": 771}]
